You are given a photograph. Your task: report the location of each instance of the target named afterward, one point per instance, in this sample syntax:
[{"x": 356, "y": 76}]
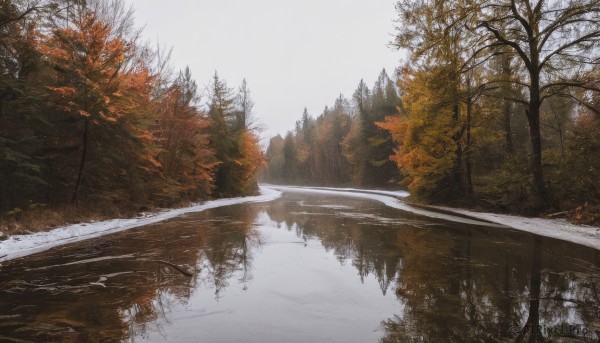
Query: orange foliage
[
  {"x": 185, "y": 156},
  {"x": 87, "y": 64},
  {"x": 426, "y": 150},
  {"x": 251, "y": 161}
]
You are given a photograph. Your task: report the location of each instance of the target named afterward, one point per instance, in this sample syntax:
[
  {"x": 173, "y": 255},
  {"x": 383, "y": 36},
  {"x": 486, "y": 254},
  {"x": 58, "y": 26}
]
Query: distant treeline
[
  {"x": 343, "y": 145},
  {"x": 499, "y": 107},
  {"x": 92, "y": 117}
]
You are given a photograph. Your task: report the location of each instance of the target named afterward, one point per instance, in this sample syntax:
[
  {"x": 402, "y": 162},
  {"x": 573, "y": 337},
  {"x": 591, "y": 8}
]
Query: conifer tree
[
  {"x": 377, "y": 142},
  {"x": 236, "y": 147},
  {"x": 222, "y": 137},
  {"x": 22, "y": 123}
]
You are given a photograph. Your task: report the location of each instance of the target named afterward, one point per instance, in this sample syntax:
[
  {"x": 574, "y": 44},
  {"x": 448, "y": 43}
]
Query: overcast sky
[{"x": 293, "y": 53}]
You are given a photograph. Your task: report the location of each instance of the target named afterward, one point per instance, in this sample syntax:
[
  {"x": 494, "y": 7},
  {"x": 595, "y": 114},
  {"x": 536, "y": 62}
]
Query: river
[{"x": 304, "y": 268}]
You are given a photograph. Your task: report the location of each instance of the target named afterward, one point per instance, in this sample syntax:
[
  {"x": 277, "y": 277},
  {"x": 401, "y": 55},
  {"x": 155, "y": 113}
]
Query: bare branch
[
  {"x": 580, "y": 102},
  {"x": 523, "y": 21},
  {"x": 570, "y": 84},
  {"x": 505, "y": 41},
  {"x": 595, "y": 34},
  {"x": 21, "y": 16}
]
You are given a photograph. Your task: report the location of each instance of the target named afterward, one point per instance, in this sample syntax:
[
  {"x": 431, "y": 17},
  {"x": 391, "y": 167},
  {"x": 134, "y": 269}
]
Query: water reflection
[
  {"x": 465, "y": 284},
  {"x": 116, "y": 289},
  {"x": 442, "y": 283}
]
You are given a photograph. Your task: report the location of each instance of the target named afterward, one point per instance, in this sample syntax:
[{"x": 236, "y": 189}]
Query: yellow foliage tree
[{"x": 426, "y": 150}]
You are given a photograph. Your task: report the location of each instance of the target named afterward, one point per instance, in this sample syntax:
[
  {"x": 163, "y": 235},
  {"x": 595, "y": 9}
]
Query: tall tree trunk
[
  {"x": 81, "y": 163},
  {"x": 507, "y": 104},
  {"x": 469, "y": 148},
  {"x": 458, "y": 177},
  {"x": 539, "y": 188},
  {"x": 541, "y": 197},
  {"x": 457, "y": 181}
]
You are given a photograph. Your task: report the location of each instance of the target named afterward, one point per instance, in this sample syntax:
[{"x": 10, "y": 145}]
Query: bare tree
[
  {"x": 557, "y": 41},
  {"x": 244, "y": 116}
]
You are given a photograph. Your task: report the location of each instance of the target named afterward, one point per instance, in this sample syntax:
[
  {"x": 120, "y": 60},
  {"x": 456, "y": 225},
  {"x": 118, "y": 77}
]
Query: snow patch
[
  {"x": 553, "y": 228},
  {"x": 23, "y": 245}
]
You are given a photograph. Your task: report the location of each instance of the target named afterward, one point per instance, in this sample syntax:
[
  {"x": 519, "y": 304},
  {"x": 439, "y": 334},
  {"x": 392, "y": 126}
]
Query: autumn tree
[
  {"x": 424, "y": 134},
  {"x": 250, "y": 162},
  {"x": 94, "y": 122},
  {"x": 343, "y": 144},
  {"x": 356, "y": 141},
  {"x": 87, "y": 63},
  {"x": 99, "y": 89},
  {"x": 185, "y": 157},
  {"x": 439, "y": 47},
  {"x": 510, "y": 69},
  {"x": 556, "y": 42},
  {"x": 326, "y": 157}
]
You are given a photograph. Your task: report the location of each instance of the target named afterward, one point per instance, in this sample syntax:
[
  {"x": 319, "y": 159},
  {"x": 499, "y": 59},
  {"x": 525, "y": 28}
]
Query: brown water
[{"x": 304, "y": 269}]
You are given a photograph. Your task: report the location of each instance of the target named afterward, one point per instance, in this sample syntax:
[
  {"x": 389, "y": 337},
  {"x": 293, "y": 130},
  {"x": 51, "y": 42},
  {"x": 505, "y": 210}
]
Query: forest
[
  {"x": 496, "y": 107},
  {"x": 94, "y": 121}
]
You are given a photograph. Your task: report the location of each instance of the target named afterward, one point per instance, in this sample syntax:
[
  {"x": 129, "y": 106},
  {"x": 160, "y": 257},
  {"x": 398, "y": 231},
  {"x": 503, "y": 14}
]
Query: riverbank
[
  {"x": 17, "y": 246},
  {"x": 553, "y": 228},
  {"x": 22, "y": 245}
]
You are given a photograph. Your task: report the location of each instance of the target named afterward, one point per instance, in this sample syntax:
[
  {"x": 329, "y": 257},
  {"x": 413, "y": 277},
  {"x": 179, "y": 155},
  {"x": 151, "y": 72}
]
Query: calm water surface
[{"x": 304, "y": 268}]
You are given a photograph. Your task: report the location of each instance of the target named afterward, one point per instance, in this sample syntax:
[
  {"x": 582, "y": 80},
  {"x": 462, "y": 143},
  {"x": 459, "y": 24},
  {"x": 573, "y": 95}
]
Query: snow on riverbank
[
  {"x": 23, "y": 245},
  {"x": 386, "y": 197},
  {"x": 553, "y": 228}
]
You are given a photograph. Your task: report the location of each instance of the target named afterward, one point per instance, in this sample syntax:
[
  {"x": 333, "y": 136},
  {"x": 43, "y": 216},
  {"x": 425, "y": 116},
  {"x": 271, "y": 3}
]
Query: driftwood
[
  {"x": 178, "y": 268},
  {"x": 557, "y": 214}
]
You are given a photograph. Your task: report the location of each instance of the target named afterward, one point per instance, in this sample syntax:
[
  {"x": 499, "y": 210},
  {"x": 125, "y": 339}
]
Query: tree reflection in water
[
  {"x": 463, "y": 292},
  {"x": 454, "y": 283},
  {"x": 129, "y": 295},
  {"x": 463, "y": 284}
]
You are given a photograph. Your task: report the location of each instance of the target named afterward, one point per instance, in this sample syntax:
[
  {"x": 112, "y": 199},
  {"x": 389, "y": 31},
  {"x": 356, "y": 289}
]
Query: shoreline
[
  {"x": 17, "y": 246},
  {"x": 560, "y": 229}
]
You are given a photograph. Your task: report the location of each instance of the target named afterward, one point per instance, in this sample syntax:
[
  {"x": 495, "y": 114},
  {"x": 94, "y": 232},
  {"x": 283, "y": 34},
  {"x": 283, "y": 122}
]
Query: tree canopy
[{"x": 92, "y": 117}]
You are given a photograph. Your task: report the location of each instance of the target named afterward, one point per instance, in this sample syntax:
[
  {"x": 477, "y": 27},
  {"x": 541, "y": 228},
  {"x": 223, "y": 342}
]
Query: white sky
[{"x": 293, "y": 53}]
